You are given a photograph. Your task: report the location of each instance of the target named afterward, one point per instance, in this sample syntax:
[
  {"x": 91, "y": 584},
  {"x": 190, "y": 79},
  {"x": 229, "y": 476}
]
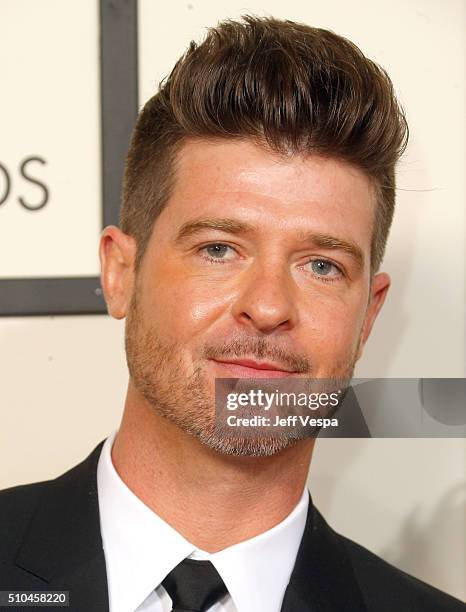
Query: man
[{"x": 259, "y": 191}]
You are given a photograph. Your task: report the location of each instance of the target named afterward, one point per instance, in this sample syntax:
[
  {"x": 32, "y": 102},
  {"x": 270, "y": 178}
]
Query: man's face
[{"x": 258, "y": 258}]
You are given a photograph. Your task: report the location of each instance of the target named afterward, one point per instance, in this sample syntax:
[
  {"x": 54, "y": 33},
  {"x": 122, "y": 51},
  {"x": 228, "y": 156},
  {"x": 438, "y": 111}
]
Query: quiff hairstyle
[{"x": 290, "y": 87}]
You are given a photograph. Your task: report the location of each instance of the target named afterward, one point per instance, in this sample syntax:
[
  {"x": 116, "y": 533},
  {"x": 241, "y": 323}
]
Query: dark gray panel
[
  {"x": 46, "y": 296},
  {"x": 119, "y": 91},
  {"x": 119, "y": 107}
]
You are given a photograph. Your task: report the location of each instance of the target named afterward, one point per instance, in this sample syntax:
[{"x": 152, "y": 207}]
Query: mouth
[{"x": 248, "y": 368}]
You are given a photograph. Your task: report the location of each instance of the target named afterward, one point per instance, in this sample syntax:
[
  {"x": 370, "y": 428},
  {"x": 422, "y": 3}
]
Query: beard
[{"x": 159, "y": 374}]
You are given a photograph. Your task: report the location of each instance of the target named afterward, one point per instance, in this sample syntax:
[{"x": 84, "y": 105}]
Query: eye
[
  {"x": 217, "y": 252},
  {"x": 325, "y": 269}
]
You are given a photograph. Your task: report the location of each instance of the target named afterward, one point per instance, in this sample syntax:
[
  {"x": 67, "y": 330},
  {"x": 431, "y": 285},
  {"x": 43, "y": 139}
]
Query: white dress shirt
[{"x": 141, "y": 549}]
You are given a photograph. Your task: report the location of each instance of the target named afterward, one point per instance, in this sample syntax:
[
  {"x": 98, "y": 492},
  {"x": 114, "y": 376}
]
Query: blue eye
[
  {"x": 322, "y": 267},
  {"x": 218, "y": 253},
  {"x": 216, "y": 250}
]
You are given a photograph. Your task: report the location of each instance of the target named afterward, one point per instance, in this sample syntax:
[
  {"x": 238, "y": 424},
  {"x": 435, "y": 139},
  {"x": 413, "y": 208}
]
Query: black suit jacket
[{"x": 50, "y": 540}]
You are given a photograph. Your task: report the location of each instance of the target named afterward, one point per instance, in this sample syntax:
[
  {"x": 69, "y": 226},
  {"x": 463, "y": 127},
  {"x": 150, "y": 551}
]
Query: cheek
[
  {"x": 333, "y": 324},
  {"x": 182, "y": 305}
]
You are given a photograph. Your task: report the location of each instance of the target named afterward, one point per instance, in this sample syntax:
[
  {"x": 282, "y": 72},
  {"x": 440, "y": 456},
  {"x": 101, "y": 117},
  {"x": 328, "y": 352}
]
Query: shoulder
[
  {"x": 387, "y": 588},
  {"x": 17, "y": 506},
  {"x": 50, "y": 500}
]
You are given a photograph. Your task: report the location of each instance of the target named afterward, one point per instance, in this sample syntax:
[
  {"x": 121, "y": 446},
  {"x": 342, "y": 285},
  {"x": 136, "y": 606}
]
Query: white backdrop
[
  {"x": 63, "y": 378},
  {"x": 50, "y": 110}
]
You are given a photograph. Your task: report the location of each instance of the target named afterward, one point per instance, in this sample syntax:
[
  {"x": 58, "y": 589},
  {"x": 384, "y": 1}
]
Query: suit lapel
[
  {"x": 322, "y": 579},
  {"x": 63, "y": 544}
]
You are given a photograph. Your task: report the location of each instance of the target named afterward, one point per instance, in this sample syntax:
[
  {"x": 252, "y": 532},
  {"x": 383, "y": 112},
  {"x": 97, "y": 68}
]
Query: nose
[{"x": 266, "y": 300}]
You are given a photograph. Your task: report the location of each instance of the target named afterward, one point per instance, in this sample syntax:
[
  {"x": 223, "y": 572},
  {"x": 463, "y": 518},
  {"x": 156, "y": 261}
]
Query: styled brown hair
[{"x": 288, "y": 86}]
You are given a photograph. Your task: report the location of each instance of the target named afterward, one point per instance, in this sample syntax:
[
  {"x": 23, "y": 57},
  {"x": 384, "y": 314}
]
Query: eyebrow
[{"x": 233, "y": 226}]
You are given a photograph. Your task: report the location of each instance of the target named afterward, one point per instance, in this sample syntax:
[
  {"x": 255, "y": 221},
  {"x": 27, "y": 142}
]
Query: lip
[{"x": 248, "y": 368}]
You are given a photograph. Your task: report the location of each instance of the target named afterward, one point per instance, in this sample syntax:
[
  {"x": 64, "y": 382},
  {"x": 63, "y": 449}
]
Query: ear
[
  {"x": 379, "y": 288},
  {"x": 117, "y": 253}
]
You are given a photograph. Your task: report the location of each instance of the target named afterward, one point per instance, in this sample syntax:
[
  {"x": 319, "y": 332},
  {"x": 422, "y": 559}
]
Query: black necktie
[{"x": 194, "y": 586}]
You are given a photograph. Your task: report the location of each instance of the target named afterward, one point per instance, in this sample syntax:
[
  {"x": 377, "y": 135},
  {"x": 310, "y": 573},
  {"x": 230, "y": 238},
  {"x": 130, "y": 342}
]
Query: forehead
[{"x": 245, "y": 180}]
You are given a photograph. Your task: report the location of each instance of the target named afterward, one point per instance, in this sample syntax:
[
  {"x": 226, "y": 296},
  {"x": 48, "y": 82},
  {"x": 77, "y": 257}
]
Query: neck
[{"x": 213, "y": 500}]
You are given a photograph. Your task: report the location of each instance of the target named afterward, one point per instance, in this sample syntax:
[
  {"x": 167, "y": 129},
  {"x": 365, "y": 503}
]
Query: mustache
[{"x": 260, "y": 349}]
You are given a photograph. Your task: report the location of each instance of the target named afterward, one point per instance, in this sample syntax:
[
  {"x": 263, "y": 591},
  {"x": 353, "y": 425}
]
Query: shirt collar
[{"x": 141, "y": 549}]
